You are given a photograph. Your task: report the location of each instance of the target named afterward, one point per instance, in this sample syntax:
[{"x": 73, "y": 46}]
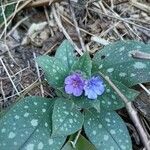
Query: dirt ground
[{"x": 39, "y": 28}]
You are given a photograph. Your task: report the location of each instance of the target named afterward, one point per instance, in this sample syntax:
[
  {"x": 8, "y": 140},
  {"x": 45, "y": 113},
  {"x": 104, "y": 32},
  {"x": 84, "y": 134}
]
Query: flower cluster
[{"x": 75, "y": 84}]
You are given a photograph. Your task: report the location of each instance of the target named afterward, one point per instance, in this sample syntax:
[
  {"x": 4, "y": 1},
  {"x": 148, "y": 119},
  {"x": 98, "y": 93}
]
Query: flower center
[{"x": 75, "y": 83}]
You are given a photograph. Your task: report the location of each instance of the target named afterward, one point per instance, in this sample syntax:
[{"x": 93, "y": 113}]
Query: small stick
[
  {"x": 140, "y": 55},
  {"x": 12, "y": 15},
  {"x": 64, "y": 30},
  {"x": 76, "y": 139},
  {"x": 68, "y": 21},
  {"x": 18, "y": 24},
  {"x": 3, "y": 93},
  {"x": 39, "y": 76},
  {"x": 140, "y": 6},
  {"x": 144, "y": 88},
  {"x": 9, "y": 76},
  {"x": 132, "y": 113},
  {"x": 38, "y": 3},
  {"x": 24, "y": 91},
  {"x": 118, "y": 18},
  {"x": 20, "y": 71},
  {"x": 76, "y": 26}
]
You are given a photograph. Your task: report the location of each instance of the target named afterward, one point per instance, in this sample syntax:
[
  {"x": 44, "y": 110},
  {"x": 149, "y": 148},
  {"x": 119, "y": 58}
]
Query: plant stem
[
  {"x": 132, "y": 113},
  {"x": 76, "y": 139}
]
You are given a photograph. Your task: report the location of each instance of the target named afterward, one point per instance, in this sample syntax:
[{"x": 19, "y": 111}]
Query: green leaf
[
  {"x": 65, "y": 53},
  {"x": 8, "y": 10},
  {"x": 54, "y": 70},
  {"x": 27, "y": 125},
  {"x": 84, "y": 102},
  {"x": 84, "y": 64},
  {"x": 66, "y": 119},
  {"x": 82, "y": 144},
  {"x": 116, "y": 61},
  {"x": 110, "y": 99},
  {"x": 106, "y": 130}
]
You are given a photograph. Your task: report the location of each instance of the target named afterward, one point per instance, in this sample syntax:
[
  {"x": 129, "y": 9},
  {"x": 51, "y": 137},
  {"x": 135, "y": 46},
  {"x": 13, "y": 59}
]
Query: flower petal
[
  {"x": 68, "y": 80},
  {"x": 94, "y": 87},
  {"x": 92, "y": 95},
  {"x": 99, "y": 89},
  {"x": 74, "y": 84},
  {"x": 69, "y": 89},
  {"x": 77, "y": 92}
]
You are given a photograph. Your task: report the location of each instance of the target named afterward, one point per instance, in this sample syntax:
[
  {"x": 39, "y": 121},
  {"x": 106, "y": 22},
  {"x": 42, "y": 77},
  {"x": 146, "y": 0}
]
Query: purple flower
[
  {"x": 94, "y": 87},
  {"x": 74, "y": 84}
]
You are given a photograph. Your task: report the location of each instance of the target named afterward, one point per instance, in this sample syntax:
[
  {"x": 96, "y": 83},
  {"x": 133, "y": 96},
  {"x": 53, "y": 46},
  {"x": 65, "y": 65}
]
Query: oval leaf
[
  {"x": 84, "y": 102},
  {"x": 65, "y": 53},
  {"x": 84, "y": 64},
  {"x": 27, "y": 126},
  {"x": 106, "y": 130},
  {"x": 66, "y": 119},
  {"x": 110, "y": 99},
  {"x": 116, "y": 61},
  {"x": 54, "y": 70}
]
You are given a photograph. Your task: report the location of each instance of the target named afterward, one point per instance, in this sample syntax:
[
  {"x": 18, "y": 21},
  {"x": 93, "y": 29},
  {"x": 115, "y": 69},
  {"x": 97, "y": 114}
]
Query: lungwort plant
[{"x": 82, "y": 116}]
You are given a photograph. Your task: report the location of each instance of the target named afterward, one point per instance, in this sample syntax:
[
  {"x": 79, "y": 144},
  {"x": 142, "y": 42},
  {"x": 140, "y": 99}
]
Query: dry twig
[
  {"x": 9, "y": 76},
  {"x": 76, "y": 26},
  {"x": 57, "y": 18}
]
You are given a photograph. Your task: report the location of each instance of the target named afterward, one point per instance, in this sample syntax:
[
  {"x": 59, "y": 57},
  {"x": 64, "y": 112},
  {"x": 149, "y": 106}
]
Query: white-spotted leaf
[
  {"x": 65, "y": 53},
  {"x": 55, "y": 70},
  {"x": 66, "y": 119},
  {"x": 106, "y": 130},
  {"x": 84, "y": 102},
  {"x": 27, "y": 126},
  {"x": 117, "y": 61},
  {"x": 84, "y": 64},
  {"x": 111, "y": 101}
]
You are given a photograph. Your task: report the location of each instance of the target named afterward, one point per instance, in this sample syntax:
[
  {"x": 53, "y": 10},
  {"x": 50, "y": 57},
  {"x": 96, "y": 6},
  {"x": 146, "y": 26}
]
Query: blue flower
[
  {"x": 94, "y": 87},
  {"x": 74, "y": 84}
]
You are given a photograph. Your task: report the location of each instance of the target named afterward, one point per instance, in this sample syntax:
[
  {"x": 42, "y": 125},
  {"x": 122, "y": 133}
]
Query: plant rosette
[{"x": 85, "y": 103}]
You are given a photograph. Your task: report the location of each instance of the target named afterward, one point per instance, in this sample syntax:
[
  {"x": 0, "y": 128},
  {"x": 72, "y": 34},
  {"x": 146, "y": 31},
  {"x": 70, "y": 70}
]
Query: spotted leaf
[
  {"x": 66, "y": 119},
  {"x": 106, "y": 130},
  {"x": 27, "y": 126},
  {"x": 116, "y": 60},
  {"x": 55, "y": 70},
  {"x": 110, "y": 100},
  {"x": 84, "y": 64},
  {"x": 84, "y": 102},
  {"x": 65, "y": 53}
]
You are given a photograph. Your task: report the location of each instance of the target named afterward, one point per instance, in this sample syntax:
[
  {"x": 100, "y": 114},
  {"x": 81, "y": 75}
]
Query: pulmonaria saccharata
[
  {"x": 75, "y": 84},
  {"x": 94, "y": 87}
]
